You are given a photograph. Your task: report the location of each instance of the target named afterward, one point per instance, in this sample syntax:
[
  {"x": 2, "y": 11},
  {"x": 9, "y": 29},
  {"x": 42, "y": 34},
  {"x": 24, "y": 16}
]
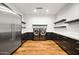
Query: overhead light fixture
[
  {"x": 34, "y": 10},
  {"x": 47, "y": 10},
  {"x": 39, "y": 8}
]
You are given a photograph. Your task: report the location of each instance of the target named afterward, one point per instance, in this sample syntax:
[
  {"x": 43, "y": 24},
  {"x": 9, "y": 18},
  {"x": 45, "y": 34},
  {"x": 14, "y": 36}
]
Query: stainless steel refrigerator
[{"x": 10, "y": 32}]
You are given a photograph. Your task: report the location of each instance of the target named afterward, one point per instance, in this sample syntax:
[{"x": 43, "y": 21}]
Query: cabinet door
[{"x": 5, "y": 38}]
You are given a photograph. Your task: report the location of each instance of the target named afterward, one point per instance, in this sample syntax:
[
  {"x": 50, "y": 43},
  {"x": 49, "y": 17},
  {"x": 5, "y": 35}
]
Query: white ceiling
[{"x": 27, "y": 8}]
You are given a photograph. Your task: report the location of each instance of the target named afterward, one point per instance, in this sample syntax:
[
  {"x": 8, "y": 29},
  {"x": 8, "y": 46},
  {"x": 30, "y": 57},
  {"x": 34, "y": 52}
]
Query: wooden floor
[{"x": 47, "y": 47}]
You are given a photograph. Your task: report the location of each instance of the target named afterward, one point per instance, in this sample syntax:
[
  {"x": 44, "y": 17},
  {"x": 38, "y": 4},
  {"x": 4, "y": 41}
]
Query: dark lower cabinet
[
  {"x": 50, "y": 35},
  {"x": 27, "y": 36},
  {"x": 71, "y": 46}
]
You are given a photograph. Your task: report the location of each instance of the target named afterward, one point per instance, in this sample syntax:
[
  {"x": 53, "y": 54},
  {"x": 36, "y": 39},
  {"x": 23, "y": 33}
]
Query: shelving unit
[
  {"x": 72, "y": 21},
  {"x": 62, "y": 20},
  {"x": 24, "y": 27},
  {"x": 74, "y": 26},
  {"x": 60, "y": 26},
  {"x": 73, "y": 29},
  {"x": 23, "y": 24}
]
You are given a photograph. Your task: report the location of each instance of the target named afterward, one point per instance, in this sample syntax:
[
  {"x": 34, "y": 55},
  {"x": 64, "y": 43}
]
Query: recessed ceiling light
[
  {"x": 47, "y": 10},
  {"x": 34, "y": 10}
]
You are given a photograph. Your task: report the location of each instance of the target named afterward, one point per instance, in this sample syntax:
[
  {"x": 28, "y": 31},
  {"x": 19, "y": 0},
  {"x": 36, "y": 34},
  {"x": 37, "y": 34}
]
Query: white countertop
[{"x": 70, "y": 35}]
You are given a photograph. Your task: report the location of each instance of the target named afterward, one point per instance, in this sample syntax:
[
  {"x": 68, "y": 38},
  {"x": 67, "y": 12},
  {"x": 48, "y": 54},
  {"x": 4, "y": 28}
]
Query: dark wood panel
[
  {"x": 28, "y": 36},
  {"x": 68, "y": 44}
]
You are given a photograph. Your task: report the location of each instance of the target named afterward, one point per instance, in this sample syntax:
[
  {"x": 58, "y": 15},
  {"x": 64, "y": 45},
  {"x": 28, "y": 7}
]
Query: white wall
[
  {"x": 70, "y": 12},
  {"x": 35, "y": 19},
  {"x": 7, "y": 18}
]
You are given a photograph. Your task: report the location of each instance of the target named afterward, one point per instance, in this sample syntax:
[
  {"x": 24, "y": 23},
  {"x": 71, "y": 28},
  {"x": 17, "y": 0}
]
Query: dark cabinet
[
  {"x": 71, "y": 46},
  {"x": 27, "y": 36}
]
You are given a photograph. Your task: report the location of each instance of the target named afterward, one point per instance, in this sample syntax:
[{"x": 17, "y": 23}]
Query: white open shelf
[
  {"x": 23, "y": 22},
  {"x": 59, "y": 21},
  {"x": 60, "y": 26},
  {"x": 23, "y": 27},
  {"x": 72, "y": 21}
]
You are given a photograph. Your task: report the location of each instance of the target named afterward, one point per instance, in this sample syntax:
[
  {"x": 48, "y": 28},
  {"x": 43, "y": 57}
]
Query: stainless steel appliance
[
  {"x": 42, "y": 33},
  {"x": 10, "y": 32},
  {"x": 39, "y": 32},
  {"x": 36, "y": 33}
]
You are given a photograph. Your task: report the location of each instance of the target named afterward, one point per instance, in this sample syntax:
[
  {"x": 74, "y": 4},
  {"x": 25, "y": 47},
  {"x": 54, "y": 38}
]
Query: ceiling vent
[{"x": 39, "y": 8}]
